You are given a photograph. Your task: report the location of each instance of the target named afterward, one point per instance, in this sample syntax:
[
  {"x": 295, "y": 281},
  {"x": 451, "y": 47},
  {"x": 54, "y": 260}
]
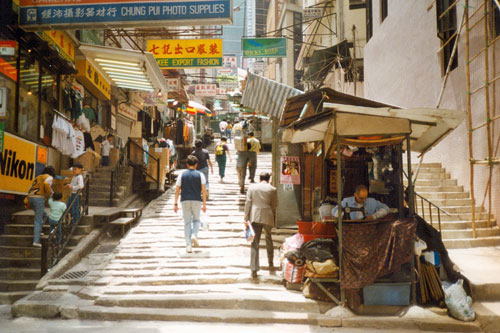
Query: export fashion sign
[
  {"x": 290, "y": 170},
  {"x": 264, "y": 47},
  {"x": 17, "y": 164},
  {"x": 181, "y": 53},
  {"x": 44, "y": 14}
]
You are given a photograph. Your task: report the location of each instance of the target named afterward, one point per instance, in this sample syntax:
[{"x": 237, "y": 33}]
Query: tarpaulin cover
[{"x": 375, "y": 249}]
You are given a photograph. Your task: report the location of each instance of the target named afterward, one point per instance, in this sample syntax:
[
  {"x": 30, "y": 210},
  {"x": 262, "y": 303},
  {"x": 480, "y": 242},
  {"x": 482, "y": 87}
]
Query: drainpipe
[{"x": 340, "y": 4}]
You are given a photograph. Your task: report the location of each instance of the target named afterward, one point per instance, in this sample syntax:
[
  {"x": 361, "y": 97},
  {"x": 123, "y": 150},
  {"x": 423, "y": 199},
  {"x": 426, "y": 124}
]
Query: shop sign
[
  {"x": 8, "y": 47},
  {"x": 264, "y": 47},
  {"x": 312, "y": 13},
  {"x": 136, "y": 100},
  {"x": 93, "y": 80},
  {"x": 259, "y": 66},
  {"x": 100, "y": 14},
  {"x": 221, "y": 93},
  {"x": 228, "y": 84},
  {"x": 230, "y": 62},
  {"x": 290, "y": 170},
  {"x": 224, "y": 71},
  {"x": 172, "y": 84},
  {"x": 205, "y": 90},
  {"x": 113, "y": 122},
  {"x": 8, "y": 69},
  {"x": 182, "y": 53},
  {"x": 62, "y": 42},
  {"x": 41, "y": 155},
  {"x": 17, "y": 164},
  {"x": 127, "y": 111}
]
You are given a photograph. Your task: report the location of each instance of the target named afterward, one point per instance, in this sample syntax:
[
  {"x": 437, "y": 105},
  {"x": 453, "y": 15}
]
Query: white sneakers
[
  {"x": 194, "y": 240},
  {"x": 37, "y": 244},
  {"x": 188, "y": 249}
]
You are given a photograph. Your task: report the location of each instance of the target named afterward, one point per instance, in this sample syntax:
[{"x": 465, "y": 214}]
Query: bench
[{"x": 123, "y": 222}]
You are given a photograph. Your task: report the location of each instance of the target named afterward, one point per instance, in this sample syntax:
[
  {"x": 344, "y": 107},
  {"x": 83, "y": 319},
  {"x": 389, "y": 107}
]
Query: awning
[
  {"x": 266, "y": 96},
  {"x": 425, "y": 126},
  {"x": 322, "y": 61},
  {"x": 127, "y": 69}
]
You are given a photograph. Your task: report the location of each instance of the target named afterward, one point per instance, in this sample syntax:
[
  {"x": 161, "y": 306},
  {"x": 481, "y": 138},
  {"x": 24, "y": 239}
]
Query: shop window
[
  {"x": 383, "y": 10},
  {"x": 8, "y": 77},
  {"x": 28, "y": 96},
  {"x": 446, "y": 27},
  {"x": 357, "y": 4},
  {"x": 50, "y": 101}
]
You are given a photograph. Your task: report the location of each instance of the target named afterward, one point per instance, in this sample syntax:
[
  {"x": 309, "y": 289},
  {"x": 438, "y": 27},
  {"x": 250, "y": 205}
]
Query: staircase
[
  {"x": 100, "y": 185},
  {"x": 20, "y": 262},
  {"x": 436, "y": 185}
]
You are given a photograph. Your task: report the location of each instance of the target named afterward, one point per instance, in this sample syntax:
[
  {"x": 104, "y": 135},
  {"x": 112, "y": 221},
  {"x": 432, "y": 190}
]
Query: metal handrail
[
  {"x": 157, "y": 179},
  {"x": 53, "y": 246},
  {"x": 116, "y": 174},
  {"x": 431, "y": 206}
]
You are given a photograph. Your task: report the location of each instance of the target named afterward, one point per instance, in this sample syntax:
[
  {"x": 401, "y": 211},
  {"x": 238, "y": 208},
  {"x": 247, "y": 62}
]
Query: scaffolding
[{"x": 481, "y": 22}]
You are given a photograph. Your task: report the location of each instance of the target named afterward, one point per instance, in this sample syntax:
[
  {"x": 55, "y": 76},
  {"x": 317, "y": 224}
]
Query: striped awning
[{"x": 267, "y": 96}]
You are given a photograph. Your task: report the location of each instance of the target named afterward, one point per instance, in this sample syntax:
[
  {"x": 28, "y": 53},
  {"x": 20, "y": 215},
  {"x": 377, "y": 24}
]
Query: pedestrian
[
  {"x": 229, "y": 130},
  {"x": 260, "y": 208},
  {"x": 222, "y": 127},
  {"x": 190, "y": 186},
  {"x": 75, "y": 185},
  {"x": 106, "y": 146},
  {"x": 253, "y": 147},
  {"x": 241, "y": 167},
  {"x": 221, "y": 150},
  {"x": 204, "y": 162},
  {"x": 39, "y": 192},
  {"x": 366, "y": 208},
  {"x": 57, "y": 209}
]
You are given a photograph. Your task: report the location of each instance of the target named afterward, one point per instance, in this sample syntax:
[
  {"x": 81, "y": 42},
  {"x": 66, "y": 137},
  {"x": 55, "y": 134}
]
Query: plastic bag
[
  {"x": 293, "y": 243},
  {"x": 249, "y": 233},
  {"x": 457, "y": 301},
  {"x": 204, "y": 221}
]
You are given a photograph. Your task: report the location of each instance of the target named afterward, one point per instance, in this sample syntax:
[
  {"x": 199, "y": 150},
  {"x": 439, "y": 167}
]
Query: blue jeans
[
  {"x": 105, "y": 161},
  {"x": 38, "y": 206},
  {"x": 191, "y": 213},
  {"x": 204, "y": 171},
  {"x": 75, "y": 209},
  {"x": 228, "y": 134},
  {"x": 53, "y": 225}
]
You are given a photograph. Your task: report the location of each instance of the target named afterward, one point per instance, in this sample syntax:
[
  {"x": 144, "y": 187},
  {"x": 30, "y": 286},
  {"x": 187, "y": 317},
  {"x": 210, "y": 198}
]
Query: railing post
[
  {"x": 45, "y": 250},
  {"x": 87, "y": 194},
  {"x": 112, "y": 188},
  {"x": 158, "y": 177}
]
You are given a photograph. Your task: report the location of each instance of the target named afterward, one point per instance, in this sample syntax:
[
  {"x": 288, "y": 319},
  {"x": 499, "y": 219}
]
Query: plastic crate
[
  {"x": 397, "y": 294},
  {"x": 308, "y": 237},
  {"x": 316, "y": 228}
]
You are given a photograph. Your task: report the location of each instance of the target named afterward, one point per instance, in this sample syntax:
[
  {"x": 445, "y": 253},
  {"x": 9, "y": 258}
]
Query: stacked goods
[
  {"x": 161, "y": 155},
  {"x": 430, "y": 286},
  {"x": 114, "y": 155},
  {"x": 61, "y": 186},
  {"x": 240, "y": 143},
  {"x": 89, "y": 160},
  {"x": 136, "y": 155}
]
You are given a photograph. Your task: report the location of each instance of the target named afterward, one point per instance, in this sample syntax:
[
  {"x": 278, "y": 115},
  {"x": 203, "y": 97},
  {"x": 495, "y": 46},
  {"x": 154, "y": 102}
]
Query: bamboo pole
[
  {"x": 469, "y": 117},
  {"x": 448, "y": 9},
  {"x": 487, "y": 101}
]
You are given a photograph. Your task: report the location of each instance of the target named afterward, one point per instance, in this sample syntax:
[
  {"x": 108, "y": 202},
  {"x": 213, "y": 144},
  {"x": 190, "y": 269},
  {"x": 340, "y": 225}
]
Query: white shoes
[
  {"x": 194, "y": 240},
  {"x": 188, "y": 249},
  {"x": 37, "y": 244}
]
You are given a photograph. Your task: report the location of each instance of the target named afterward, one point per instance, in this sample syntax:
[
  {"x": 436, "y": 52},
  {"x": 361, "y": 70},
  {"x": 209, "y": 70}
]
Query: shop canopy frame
[{"x": 340, "y": 124}]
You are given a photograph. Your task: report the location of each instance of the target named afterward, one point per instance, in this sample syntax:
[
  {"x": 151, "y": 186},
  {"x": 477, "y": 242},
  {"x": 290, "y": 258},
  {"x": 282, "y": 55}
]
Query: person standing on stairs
[
  {"x": 204, "y": 162},
  {"x": 253, "y": 146},
  {"x": 38, "y": 194},
  {"x": 221, "y": 154},
  {"x": 190, "y": 186},
  {"x": 106, "y": 146},
  {"x": 260, "y": 208},
  {"x": 75, "y": 185}
]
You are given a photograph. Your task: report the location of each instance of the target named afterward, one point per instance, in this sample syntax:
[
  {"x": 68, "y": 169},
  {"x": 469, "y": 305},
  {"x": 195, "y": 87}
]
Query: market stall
[{"x": 343, "y": 146}]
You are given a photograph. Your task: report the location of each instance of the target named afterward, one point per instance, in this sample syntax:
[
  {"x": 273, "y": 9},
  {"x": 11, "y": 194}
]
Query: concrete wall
[{"x": 402, "y": 67}]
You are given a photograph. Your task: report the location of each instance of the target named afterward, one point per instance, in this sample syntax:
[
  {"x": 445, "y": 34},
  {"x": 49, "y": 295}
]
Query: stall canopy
[
  {"x": 128, "y": 69},
  {"x": 266, "y": 96},
  {"x": 365, "y": 124}
]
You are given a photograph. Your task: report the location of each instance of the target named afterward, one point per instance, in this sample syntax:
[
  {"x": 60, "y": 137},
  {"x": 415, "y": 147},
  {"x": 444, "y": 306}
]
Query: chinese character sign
[
  {"x": 205, "y": 90},
  {"x": 181, "y": 53},
  {"x": 290, "y": 170},
  {"x": 172, "y": 84},
  {"x": 230, "y": 62}
]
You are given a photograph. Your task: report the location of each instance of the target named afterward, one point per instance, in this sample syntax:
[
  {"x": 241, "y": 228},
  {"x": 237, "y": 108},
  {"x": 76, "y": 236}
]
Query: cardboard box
[
  {"x": 114, "y": 155},
  {"x": 87, "y": 160},
  {"x": 98, "y": 147},
  {"x": 136, "y": 155},
  {"x": 60, "y": 185},
  {"x": 240, "y": 143}
]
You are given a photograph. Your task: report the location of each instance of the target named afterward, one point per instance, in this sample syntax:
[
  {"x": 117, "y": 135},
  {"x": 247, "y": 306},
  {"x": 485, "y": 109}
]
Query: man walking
[
  {"x": 222, "y": 127},
  {"x": 260, "y": 208},
  {"x": 253, "y": 148},
  {"x": 191, "y": 187}
]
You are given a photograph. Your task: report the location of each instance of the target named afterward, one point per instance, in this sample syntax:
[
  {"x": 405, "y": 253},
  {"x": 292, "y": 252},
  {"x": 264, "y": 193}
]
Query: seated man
[{"x": 371, "y": 208}]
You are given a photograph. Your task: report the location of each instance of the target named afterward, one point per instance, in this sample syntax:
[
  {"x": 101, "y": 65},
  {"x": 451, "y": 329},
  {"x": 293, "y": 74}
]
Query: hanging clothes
[
  {"x": 89, "y": 112},
  {"x": 88, "y": 141},
  {"x": 179, "y": 132}
]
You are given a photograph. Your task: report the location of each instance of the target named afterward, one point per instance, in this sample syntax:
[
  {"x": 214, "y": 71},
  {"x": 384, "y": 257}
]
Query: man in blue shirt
[
  {"x": 191, "y": 187},
  {"x": 372, "y": 209}
]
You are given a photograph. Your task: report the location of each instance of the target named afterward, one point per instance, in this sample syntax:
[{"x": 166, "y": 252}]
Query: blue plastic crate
[{"x": 397, "y": 294}]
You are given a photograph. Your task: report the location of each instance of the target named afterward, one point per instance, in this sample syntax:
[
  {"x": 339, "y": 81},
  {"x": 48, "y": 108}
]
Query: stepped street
[{"x": 147, "y": 275}]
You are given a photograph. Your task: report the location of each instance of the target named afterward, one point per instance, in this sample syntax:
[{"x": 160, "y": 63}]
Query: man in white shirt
[
  {"x": 106, "y": 146},
  {"x": 222, "y": 127}
]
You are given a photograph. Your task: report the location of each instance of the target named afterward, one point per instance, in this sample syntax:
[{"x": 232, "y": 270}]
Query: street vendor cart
[{"x": 345, "y": 145}]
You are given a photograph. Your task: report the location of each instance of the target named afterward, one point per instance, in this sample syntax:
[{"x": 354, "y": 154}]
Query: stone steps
[
  {"x": 27, "y": 240},
  {"x": 26, "y": 229},
  {"x": 17, "y": 273},
  {"x": 467, "y": 233},
  {"x": 471, "y": 242},
  {"x": 17, "y": 285}
]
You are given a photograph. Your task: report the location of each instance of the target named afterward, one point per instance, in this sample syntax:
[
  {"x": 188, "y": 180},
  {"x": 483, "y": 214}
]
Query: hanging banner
[
  {"x": 182, "y": 53},
  {"x": 205, "y": 90},
  {"x": 172, "y": 84},
  {"x": 230, "y": 62},
  {"x": 62, "y": 42},
  {"x": 264, "y": 47},
  {"x": 290, "y": 170},
  {"x": 101, "y": 14},
  {"x": 92, "y": 79},
  {"x": 17, "y": 164}
]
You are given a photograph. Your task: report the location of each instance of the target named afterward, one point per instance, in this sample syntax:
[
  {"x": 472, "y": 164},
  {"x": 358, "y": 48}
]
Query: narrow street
[{"x": 148, "y": 276}]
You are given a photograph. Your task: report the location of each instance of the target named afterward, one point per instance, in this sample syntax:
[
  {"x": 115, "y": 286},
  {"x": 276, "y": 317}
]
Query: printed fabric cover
[{"x": 375, "y": 249}]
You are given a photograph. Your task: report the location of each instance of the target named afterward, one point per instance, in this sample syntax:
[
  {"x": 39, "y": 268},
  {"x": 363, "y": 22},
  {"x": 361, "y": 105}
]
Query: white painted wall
[{"x": 403, "y": 68}]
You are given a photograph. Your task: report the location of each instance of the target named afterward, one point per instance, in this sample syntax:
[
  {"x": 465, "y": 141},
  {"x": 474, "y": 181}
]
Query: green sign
[
  {"x": 2, "y": 135},
  {"x": 264, "y": 47},
  {"x": 188, "y": 62}
]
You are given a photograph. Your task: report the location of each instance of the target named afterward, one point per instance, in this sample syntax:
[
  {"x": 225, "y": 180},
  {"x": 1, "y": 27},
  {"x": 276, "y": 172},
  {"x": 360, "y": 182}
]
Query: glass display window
[{"x": 29, "y": 86}]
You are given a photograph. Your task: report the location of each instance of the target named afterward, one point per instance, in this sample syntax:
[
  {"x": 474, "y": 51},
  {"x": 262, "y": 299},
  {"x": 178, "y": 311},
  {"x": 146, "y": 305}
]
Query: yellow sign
[
  {"x": 41, "y": 155},
  {"x": 172, "y": 53},
  {"x": 64, "y": 44},
  {"x": 92, "y": 79},
  {"x": 17, "y": 165}
]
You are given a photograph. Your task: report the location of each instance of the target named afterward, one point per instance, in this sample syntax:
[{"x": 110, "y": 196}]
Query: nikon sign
[
  {"x": 17, "y": 165},
  {"x": 95, "y": 14}
]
